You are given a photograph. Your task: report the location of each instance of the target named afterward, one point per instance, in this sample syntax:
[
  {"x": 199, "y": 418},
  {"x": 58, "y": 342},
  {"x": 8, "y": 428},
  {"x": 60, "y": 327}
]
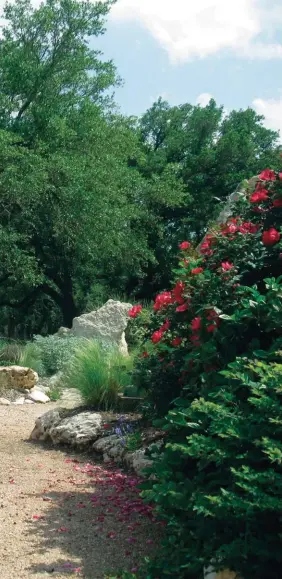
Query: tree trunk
[{"x": 69, "y": 309}]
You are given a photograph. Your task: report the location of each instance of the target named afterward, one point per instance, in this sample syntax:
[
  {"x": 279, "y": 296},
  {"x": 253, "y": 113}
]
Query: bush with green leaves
[
  {"x": 31, "y": 358},
  {"x": 99, "y": 373},
  {"x": 55, "y": 352},
  {"x": 212, "y": 358}
]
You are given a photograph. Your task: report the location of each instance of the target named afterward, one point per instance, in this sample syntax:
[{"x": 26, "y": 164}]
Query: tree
[
  {"x": 74, "y": 212},
  {"x": 212, "y": 151}
]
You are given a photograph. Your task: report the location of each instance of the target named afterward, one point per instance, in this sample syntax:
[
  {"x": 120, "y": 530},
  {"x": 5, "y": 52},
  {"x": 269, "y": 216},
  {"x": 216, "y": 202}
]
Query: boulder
[
  {"x": 63, "y": 427},
  {"x": 17, "y": 377},
  {"x": 38, "y": 396},
  {"x": 226, "y": 574},
  {"x": 106, "y": 324},
  {"x": 45, "y": 423}
]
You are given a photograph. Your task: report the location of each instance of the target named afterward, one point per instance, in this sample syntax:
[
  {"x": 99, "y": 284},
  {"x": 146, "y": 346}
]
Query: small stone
[
  {"x": 27, "y": 401},
  {"x": 38, "y": 396},
  {"x": 19, "y": 400},
  {"x": 4, "y": 402}
]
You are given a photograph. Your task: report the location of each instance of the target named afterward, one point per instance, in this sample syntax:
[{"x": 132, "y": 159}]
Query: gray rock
[
  {"x": 38, "y": 396},
  {"x": 110, "y": 446},
  {"x": 62, "y": 427},
  {"x": 106, "y": 324},
  {"x": 19, "y": 400},
  {"x": 137, "y": 461},
  {"x": 79, "y": 430},
  {"x": 4, "y": 402},
  {"x": 71, "y": 398},
  {"x": 41, "y": 388},
  {"x": 45, "y": 423}
]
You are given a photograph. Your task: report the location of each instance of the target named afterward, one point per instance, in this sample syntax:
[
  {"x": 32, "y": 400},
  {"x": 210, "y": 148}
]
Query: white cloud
[
  {"x": 204, "y": 99},
  {"x": 188, "y": 29},
  {"x": 271, "y": 109}
]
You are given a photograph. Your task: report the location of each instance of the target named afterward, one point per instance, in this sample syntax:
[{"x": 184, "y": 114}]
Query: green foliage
[
  {"x": 55, "y": 352},
  {"x": 137, "y": 327},
  {"x": 31, "y": 357},
  {"x": 133, "y": 441},
  {"x": 216, "y": 356},
  {"x": 99, "y": 373},
  {"x": 10, "y": 352}
]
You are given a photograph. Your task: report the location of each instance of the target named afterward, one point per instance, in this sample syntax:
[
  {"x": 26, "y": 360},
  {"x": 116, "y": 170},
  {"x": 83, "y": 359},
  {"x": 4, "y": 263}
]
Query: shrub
[
  {"x": 10, "y": 352},
  {"x": 31, "y": 358},
  {"x": 218, "y": 481},
  {"x": 99, "y": 373},
  {"x": 55, "y": 352}
]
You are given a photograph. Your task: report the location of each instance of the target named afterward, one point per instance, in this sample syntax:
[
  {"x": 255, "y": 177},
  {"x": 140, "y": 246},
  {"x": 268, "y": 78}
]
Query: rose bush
[{"x": 219, "y": 481}]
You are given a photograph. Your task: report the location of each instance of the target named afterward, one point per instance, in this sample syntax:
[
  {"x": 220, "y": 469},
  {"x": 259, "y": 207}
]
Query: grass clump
[{"x": 99, "y": 373}]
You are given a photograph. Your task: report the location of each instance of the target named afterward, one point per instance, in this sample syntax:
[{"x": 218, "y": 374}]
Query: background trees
[{"x": 93, "y": 204}]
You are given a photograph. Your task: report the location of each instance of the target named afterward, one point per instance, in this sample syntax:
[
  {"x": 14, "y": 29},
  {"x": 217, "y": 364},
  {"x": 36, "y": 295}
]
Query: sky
[{"x": 192, "y": 50}]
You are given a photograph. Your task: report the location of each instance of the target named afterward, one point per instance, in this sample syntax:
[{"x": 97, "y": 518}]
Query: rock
[
  {"x": 40, "y": 388},
  {"x": 137, "y": 461},
  {"x": 63, "y": 332},
  {"x": 45, "y": 423},
  {"x": 19, "y": 400},
  {"x": 27, "y": 401},
  {"x": 106, "y": 324},
  {"x": 38, "y": 396},
  {"x": 61, "y": 427},
  {"x": 17, "y": 377},
  {"x": 4, "y": 402},
  {"x": 226, "y": 574},
  {"x": 71, "y": 398},
  {"x": 110, "y": 446},
  {"x": 79, "y": 430}
]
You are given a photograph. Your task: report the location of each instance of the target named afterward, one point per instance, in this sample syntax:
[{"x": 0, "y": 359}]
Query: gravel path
[{"x": 61, "y": 515}]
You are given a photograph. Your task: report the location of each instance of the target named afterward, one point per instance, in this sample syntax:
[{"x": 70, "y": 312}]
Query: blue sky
[{"x": 185, "y": 50}]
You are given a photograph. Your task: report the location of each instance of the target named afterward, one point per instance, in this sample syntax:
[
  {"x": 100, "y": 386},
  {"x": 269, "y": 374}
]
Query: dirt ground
[{"x": 63, "y": 515}]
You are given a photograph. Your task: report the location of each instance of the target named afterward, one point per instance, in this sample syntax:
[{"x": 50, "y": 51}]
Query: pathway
[{"x": 62, "y": 516}]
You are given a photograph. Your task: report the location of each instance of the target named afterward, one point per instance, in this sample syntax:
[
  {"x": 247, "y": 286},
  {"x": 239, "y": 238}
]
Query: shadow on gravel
[{"x": 99, "y": 525}]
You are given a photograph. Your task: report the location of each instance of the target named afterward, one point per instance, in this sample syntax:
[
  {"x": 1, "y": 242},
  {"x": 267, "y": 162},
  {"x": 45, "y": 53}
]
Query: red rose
[
  {"x": 196, "y": 324},
  {"x": 163, "y": 300},
  {"x": 145, "y": 355},
  {"x": 165, "y": 327},
  {"x": 157, "y": 336},
  {"x": 229, "y": 228},
  {"x": 277, "y": 202},
  {"x": 184, "y": 245},
  {"x": 248, "y": 227},
  {"x": 182, "y": 308},
  {"x": 195, "y": 340},
  {"x": 133, "y": 313},
  {"x": 270, "y": 237},
  {"x": 177, "y": 292},
  {"x": 197, "y": 270},
  {"x": 226, "y": 265},
  {"x": 259, "y": 196},
  {"x": 267, "y": 175},
  {"x": 211, "y": 328},
  {"x": 176, "y": 342}
]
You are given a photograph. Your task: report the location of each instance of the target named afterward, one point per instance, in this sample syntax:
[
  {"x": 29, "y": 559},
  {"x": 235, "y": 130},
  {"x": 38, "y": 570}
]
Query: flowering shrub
[{"x": 211, "y": 341}]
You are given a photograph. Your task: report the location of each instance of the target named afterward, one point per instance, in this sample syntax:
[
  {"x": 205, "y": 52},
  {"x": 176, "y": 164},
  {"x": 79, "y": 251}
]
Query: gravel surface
[{"x": 62, "y": 515}]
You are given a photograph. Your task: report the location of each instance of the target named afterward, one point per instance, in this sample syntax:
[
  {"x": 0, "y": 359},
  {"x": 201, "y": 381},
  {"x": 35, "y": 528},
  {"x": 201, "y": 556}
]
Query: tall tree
[
  {"x": 213, "y": 152},
  {"x": 74, "y": 210}
]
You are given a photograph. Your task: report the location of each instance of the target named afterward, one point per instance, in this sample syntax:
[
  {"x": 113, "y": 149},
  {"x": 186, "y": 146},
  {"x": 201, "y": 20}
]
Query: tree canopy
[{"x": 93, "y": 203}]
